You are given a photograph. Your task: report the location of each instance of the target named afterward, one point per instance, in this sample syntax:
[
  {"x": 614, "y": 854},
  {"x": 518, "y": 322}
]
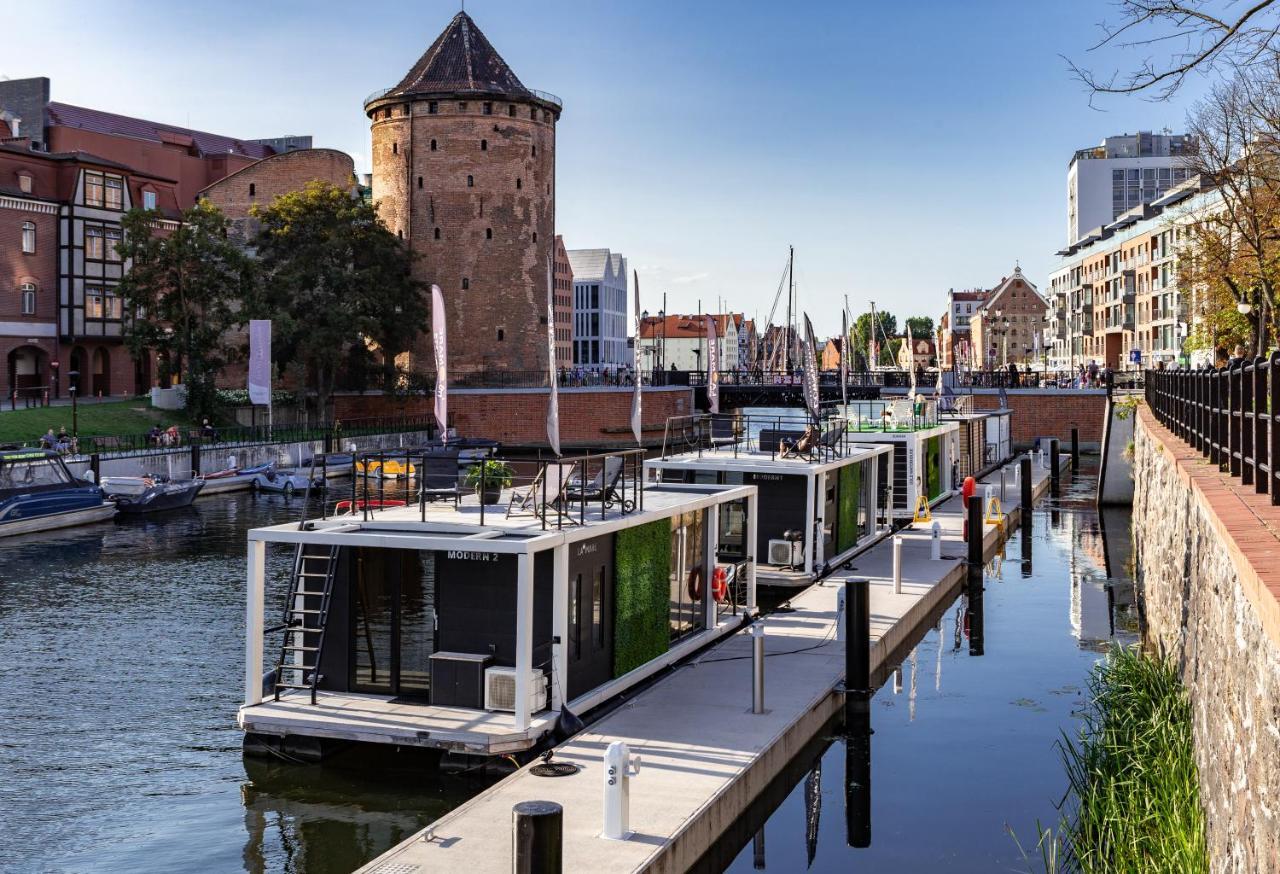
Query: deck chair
[
  {"x": 604, "y": 486},
  {"x": 526, "y": 500},
  {"x": 559, "y": 480},
  {"x": 802, "y": 447},
  {"x": 830, "y": 441},
  {"x": 439, "y": 477},
  {"x": 722, "y": 432}
]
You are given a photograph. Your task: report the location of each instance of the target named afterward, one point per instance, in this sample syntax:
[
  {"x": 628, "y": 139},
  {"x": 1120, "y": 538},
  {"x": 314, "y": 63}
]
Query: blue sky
[{"x": 904, "y": 148}]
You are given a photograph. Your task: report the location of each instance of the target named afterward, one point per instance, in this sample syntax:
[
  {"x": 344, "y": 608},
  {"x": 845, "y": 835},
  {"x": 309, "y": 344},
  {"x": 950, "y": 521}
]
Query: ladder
[{"x": 305, "y": 615}]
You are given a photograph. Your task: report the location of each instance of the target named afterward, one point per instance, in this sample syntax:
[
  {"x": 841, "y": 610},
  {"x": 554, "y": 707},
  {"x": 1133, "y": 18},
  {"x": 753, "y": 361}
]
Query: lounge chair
[
  {"x": 552, "y": 480},
  {"x": 439, "y": 477},
  {"x": 722, "y": 432},
  {"x": 604, "y": 486},
  {"x": 802, "y": 447},
  {"x": 830, "y": 441}
]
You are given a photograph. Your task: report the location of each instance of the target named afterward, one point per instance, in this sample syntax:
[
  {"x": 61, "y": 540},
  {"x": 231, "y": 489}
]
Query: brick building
[
  {"x": 563, "y": 305},
  {"x": 1005, "y": 327},
  {"x": 464, "y": 169}
]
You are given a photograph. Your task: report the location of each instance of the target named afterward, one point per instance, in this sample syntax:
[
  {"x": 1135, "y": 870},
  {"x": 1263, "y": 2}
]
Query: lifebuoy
[
  {"x": 695, "y": 584},
  {"x": 719, "y": 585}
]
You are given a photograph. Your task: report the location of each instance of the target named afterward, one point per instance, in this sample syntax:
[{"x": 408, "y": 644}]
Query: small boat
[
  {"x": 234, "y": 478},
  {"x": 37, "y": 493},
  {"x": 361, "y": 504},
  {"x": 286, "y": 482},
  {"x": 144, "y": 494},
  {"x": 388, "y": 466}
]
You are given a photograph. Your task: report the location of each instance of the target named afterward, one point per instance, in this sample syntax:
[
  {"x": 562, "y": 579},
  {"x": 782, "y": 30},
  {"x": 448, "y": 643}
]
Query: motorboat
[
  {"x": 287, "y": 481},
  {"x": 396, "y": 466},
  {"x": 37, "y": 493},
  {"x": 234, "y": 478},
  {"x": 144, "y": 494}
]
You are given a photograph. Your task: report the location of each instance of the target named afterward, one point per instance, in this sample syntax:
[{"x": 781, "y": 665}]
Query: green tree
[
  {"x": 888, "y": 328},
  {"x": 920, "y": 327},
  {"x": 180, "y": 294},
  {"x": 333, "y": 275}
]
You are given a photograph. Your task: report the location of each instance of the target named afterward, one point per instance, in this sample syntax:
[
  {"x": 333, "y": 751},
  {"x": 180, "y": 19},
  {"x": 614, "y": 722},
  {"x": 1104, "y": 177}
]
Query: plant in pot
[{"x": 489, "y": 478}]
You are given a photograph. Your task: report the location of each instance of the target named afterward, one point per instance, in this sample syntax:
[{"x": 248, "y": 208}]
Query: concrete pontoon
[
  {"x": 821, "y": 502},
  {"x": 468, "y": 627}
]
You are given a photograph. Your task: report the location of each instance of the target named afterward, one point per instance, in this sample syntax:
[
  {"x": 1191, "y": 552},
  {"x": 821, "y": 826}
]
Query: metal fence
[{"x": 1227, "y": 415}]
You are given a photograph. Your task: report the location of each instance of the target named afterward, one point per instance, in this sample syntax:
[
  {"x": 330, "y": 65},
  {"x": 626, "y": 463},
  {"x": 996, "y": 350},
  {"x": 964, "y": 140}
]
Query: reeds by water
[{"x": 1134, "y": 801}]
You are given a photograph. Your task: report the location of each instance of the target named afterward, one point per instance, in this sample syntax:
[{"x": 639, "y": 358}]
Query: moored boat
[
  {"x": 144, "y": 494},
  {"x": 37, "y": 493}
]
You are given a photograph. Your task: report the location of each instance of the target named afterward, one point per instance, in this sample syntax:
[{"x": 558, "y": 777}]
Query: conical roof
[{"x": 461, "y": 60}]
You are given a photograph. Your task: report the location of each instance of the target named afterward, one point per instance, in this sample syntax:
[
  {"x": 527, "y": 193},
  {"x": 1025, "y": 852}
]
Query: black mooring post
[
  {"x": 1075, "y": 449},
  {"x": 976, "y": 639},
  {"x": 537, "y": 831},
  {"x": 857, "y": 638},
  {"x": 976, "y": 533},
  {"x": 1024, "y": 479},
  {"x": 195, "y": 460},
  {"x": 1055, "y": 479},
  {"x": 1025, "y": 531},
  {"x": 95, "y": 465},
  {"x": 857, "y": 770}
]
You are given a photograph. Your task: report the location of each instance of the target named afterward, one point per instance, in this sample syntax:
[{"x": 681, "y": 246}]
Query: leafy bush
[
  {"x": 642, "y": 568},
  {"x": 493, "y": 474}
]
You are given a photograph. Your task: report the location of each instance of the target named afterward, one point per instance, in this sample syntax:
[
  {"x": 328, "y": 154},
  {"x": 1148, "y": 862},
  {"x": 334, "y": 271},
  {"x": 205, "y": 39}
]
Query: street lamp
[{"x": 74, "y": 377}]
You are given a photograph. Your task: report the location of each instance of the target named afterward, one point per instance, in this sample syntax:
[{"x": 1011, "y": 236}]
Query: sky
[{"x": 903, "y": 148}]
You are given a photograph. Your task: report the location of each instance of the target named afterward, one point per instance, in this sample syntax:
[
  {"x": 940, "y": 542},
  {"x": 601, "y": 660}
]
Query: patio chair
[
  {"x": 604, "y": 486},
  {"x": 831, "y": 440},
  {"x": 802, "y": 447},
  {"x": 722, "y": 432},
  {"x": 439, "y": 477},
  {"x": 526, "y": 500}
]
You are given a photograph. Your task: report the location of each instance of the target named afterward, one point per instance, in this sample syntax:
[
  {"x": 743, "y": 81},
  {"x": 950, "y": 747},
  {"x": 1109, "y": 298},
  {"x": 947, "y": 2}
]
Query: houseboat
[
  {"x": 470, "y": 623},
  {"x": 985, "y": 436},
  {"x": 38, "y": 493},
  {"x": 823, "y": 497},
  {"x": 925, "y": 449}
]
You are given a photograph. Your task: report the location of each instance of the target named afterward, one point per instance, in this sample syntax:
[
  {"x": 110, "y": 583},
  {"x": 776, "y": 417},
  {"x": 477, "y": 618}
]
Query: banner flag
[
  {"x": 844, "y": 361},
  {"x": 260, "y": 361},
  {"x": 911, "y": 359},
  {"x": 811, "y": 398},
  {"x": 553, "y": 406},
  {"x": 440, "y": 345},
  {"x": 635, "y": 364},
  {"x": 713, "y": 366}
]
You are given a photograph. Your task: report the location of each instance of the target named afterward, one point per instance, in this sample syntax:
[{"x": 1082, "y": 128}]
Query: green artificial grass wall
[
  {"x": 642, "y": 567},
  {"x": 849, "y": 495},
  {"x": 933, "y": 467}
]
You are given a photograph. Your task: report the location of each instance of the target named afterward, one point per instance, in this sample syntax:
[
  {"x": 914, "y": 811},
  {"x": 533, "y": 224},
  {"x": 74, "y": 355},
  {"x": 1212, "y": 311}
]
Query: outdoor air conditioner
[
  {"x": 785, "y": 552},
  {"x": 500, "y": 689}
]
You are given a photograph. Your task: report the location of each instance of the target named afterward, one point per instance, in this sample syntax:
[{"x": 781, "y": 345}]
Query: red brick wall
[
  {"x": 274, "y": 176},
  {"x": 1052, "y": 413},
  {"x": 518, "y": 418}
]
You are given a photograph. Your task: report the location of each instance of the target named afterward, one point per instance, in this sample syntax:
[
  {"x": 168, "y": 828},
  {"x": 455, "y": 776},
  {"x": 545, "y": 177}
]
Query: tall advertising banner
[
  {"x": 810, "y": 369},
  {"x": 635, "y": 364},
  {"x": 844, "y": 362},
  {"x": 713, "y": 366},
  {"x": 440, "y": 345},
  {"x": 553, "y": 403},
  {"x": 260, "y": 361}
]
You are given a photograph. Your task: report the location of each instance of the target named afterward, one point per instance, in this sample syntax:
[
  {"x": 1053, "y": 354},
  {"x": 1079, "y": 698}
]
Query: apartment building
[
  {"x": 954, "y": 326},
  {"x": 599, "y": 308},
  {"x": 1119, "y": 174}
]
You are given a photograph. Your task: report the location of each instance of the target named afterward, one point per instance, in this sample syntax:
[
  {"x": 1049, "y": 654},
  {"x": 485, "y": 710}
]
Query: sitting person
[
  {"x": 800, "y": 445},
  {"x": 154, "y": 435},
  {"x": 48, "y": 441},
  {"x": 64, "y": 440},
  {"x": 207, "y": 431}
]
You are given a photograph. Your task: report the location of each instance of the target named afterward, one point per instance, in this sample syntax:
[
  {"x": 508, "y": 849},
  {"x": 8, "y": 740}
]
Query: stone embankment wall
[{"x": 1208, "y": 562}]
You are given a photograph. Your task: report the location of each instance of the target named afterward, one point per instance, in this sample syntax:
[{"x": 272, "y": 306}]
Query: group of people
[
  {"x": 171, "y": 436},
  {"x": 609, "y": 375},
  {"x": 62, "y": 441}
]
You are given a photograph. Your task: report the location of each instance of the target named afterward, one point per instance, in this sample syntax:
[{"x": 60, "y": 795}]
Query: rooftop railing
[{"x": 777, "y": 436}]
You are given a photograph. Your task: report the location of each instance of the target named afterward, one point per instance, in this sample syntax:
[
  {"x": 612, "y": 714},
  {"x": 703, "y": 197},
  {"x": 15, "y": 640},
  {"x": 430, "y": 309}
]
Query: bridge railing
[{"x": 1228, "y": 415}]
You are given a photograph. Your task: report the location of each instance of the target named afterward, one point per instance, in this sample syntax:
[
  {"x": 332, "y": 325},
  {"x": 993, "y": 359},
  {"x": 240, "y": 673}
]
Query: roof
[
  {"x": 66, "y": 115},
  {"x": 597, "y": 265},
  {"x": 461, "y": 60},
  {"x": 968, "y": 295},
  {"x": 674, "y": 327},
  {"x": 82, "y": 157}
]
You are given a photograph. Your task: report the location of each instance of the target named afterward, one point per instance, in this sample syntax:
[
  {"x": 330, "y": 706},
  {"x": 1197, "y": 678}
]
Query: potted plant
[{"x": 489, "y": 478}]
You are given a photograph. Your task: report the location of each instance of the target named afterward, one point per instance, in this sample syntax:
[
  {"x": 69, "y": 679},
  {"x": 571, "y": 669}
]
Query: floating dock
[{"x": 704, "y": 755}]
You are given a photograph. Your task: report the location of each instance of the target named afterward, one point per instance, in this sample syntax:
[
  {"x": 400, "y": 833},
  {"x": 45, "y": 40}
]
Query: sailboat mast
[{"x": 791, "y": 290}]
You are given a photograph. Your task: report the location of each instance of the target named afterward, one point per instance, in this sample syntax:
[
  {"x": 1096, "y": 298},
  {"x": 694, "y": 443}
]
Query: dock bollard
[
  {"x": 897, "y": 564},
  {"x": 1024, "y": 466},
  {"x": 1054, "y": 466},
  {"x": 619, "y": 767},
  {"x": 857, "y": 638},
  {"x": 976, "y": 533},
  {"x": 757, "y": 668},
  {"x": 1003, "y": 490},
  {"x": 935, "y": 542},
  {"x": 1075, "y": 449},
  {"x": 537, "y": 835}
]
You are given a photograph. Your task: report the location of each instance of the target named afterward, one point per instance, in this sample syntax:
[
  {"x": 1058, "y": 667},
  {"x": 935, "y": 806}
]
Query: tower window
[
  {"x": 519, "y": 184},
  {"x": 471, "y": 182},
  {"x": 432, "y": 107},
  {"x": 533, "y": 114},
  {"x": 395, "y": 148},
  {"x": 437, "y": 233},
  {"x": 501, "y": 335},
  {"x": 535, "y": 151},
  {"x": 535, "y": 236},
  {"x": 484, "y": 145},
  {"x": 487, "y": 108},
  {"x": 419, "y": 182},
  {"x": 546, "y": 115},
  {"x": 511, "y": 110},
  {"x": 400, "y": 233},
  {"x": 433, "y": 145},
  {"x": 466, "y": 283},
  {"x": 488, "y": 233},
  {"x": 253, "y": 189},
  {"x": 462, "y": 106}
]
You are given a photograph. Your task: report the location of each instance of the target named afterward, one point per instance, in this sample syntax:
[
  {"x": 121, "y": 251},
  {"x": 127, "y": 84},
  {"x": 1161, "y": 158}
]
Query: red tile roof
[
  {"x": 66, "y": 115},
  {"x": 680, "y": 326}
]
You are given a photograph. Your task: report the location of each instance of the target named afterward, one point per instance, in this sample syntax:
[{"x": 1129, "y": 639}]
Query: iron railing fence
[{"x": 1227, "y": 415}]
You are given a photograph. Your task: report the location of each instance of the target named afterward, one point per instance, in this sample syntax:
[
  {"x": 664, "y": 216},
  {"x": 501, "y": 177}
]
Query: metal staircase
[{"x": 305, "y": 615}]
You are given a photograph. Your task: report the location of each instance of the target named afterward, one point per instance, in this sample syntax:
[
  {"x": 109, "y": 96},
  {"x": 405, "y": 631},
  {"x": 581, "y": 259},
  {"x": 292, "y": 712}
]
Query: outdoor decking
[{"x": 704, "y": 755}]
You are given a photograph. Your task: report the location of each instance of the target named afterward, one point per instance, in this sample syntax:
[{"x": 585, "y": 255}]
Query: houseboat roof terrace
[{"x": 761, "y": 442}]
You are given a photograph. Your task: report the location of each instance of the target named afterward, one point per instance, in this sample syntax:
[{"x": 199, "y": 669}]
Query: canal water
[{"x": 122, "y": 653}]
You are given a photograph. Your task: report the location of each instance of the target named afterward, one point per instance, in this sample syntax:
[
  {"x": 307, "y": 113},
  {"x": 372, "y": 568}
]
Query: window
[
  {"x": 395, "y": 148},
  {"x": 101, "y": 303},
  {"x": 28, "y": 299},
  {"x": 511, "y": 110},
  {"x": 535, "y": 236},
  {"x": 115, "y": 192},
  {"x": 488, "y": 233},
  {"x": 419, "y": 182},
  {"x": 432, "y": 108},
  {"x": 519, "y": 184},
  {"x": 501, "y": 335},
  {"x": 24, "y": 183},
  {"x": 93, "y": 185},
  {"x": 484, "y": 145},
  {"x": 113, "y": 240},
  {"x": 466, "y": 283},
  {"x": 253, "y": 189},
  {"x": 462, "y": 106},
  {"x": 471, "y": 182},
  {"x": 94, "y": 243},
  {"x": 487, "y": 108},
  {"x": 433, "y": 145},
  {"x": 28, "y": 238},
  {"x": 148, "y": 200},
  {"x": 437, "y": 233},
  {"x": 404, "y": 110},
  {"x": 535, "y": 151}
]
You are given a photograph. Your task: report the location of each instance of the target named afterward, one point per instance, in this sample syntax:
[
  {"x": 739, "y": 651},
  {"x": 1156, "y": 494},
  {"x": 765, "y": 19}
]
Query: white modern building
[
  {"x": 1121, "y": 173},
  {"x": 599, "y": 308},
  {"x": 680, "y": 342}
]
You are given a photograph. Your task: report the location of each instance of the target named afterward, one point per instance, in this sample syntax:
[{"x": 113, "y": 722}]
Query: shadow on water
[{"x": 959, "y": 738}]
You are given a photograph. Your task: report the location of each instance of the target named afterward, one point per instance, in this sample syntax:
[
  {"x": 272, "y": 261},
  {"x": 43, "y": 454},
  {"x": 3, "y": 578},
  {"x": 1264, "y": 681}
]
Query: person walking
[{"x": 1237, "y": 357}]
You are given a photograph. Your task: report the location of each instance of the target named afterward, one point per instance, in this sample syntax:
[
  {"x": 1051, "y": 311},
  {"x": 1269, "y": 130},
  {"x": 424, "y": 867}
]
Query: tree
[
  {"x": 1203, "y": 36},
  {"x": 888, "y": 328},
  {"x": 920, "y": 326},
  {"x": 180, "y": 294},
  {"x": 334, "y": 275}
]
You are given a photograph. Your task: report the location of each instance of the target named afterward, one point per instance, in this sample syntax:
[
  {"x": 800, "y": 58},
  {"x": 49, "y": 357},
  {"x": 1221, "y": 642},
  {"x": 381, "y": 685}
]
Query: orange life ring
[
  {"x": 695, "y": 584},
  {"x": 720, "y": 585}
]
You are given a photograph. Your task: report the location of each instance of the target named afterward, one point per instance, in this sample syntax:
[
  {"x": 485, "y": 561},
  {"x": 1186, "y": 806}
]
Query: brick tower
[{"x": 464, "y": 169}]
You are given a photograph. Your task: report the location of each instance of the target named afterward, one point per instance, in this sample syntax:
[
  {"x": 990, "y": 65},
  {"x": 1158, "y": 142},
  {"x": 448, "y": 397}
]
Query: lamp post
[{"x": 74, "y": 388}]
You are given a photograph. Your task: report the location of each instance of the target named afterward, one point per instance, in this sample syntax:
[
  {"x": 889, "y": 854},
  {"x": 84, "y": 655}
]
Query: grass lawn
[{"x": 114, "y": 418}]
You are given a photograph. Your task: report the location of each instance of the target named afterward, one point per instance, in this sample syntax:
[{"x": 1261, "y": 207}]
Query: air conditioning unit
[
  {"x": 500, "y": 690},
  {"x": 785, "y": 552}
]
